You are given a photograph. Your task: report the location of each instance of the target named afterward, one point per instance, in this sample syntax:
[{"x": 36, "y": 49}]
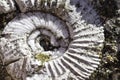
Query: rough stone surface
[{"x": 110, "y": 65}]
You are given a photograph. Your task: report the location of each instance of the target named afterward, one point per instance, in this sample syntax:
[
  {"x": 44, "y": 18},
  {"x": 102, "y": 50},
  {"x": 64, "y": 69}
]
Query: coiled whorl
[{"x": 52, "y": 39}]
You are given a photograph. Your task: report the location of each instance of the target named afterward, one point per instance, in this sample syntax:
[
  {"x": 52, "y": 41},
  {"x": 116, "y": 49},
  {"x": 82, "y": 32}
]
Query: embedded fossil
[{"x": 51, "y": 39}]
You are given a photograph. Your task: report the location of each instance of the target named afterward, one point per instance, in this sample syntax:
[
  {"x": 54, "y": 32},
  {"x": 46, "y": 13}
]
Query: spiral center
[{"x": 45, "y": 43}]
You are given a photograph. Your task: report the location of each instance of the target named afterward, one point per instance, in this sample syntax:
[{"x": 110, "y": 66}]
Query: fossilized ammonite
[{"x": 51, "y": 39}]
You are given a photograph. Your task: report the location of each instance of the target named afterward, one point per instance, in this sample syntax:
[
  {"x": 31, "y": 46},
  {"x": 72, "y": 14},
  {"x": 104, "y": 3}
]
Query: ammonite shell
[{"x": 51, "y": 40}]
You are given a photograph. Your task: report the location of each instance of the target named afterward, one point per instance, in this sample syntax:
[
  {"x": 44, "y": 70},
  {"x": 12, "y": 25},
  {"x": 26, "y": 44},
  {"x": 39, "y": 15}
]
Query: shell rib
[{"x": 74, "y": 31}]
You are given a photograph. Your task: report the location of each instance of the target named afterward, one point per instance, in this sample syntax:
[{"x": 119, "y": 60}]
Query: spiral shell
[{"x": 52, "y": 39}]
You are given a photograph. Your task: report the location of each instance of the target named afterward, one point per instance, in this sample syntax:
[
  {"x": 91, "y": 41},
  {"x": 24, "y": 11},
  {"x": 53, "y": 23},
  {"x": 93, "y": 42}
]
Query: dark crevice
[
  {"x": 45, "y": 43},
  {"x": 17, "y": 7}
]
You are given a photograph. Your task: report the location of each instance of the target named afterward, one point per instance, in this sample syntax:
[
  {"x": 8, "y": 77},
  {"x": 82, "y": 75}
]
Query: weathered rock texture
[{"x": 110, "y": 65}]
